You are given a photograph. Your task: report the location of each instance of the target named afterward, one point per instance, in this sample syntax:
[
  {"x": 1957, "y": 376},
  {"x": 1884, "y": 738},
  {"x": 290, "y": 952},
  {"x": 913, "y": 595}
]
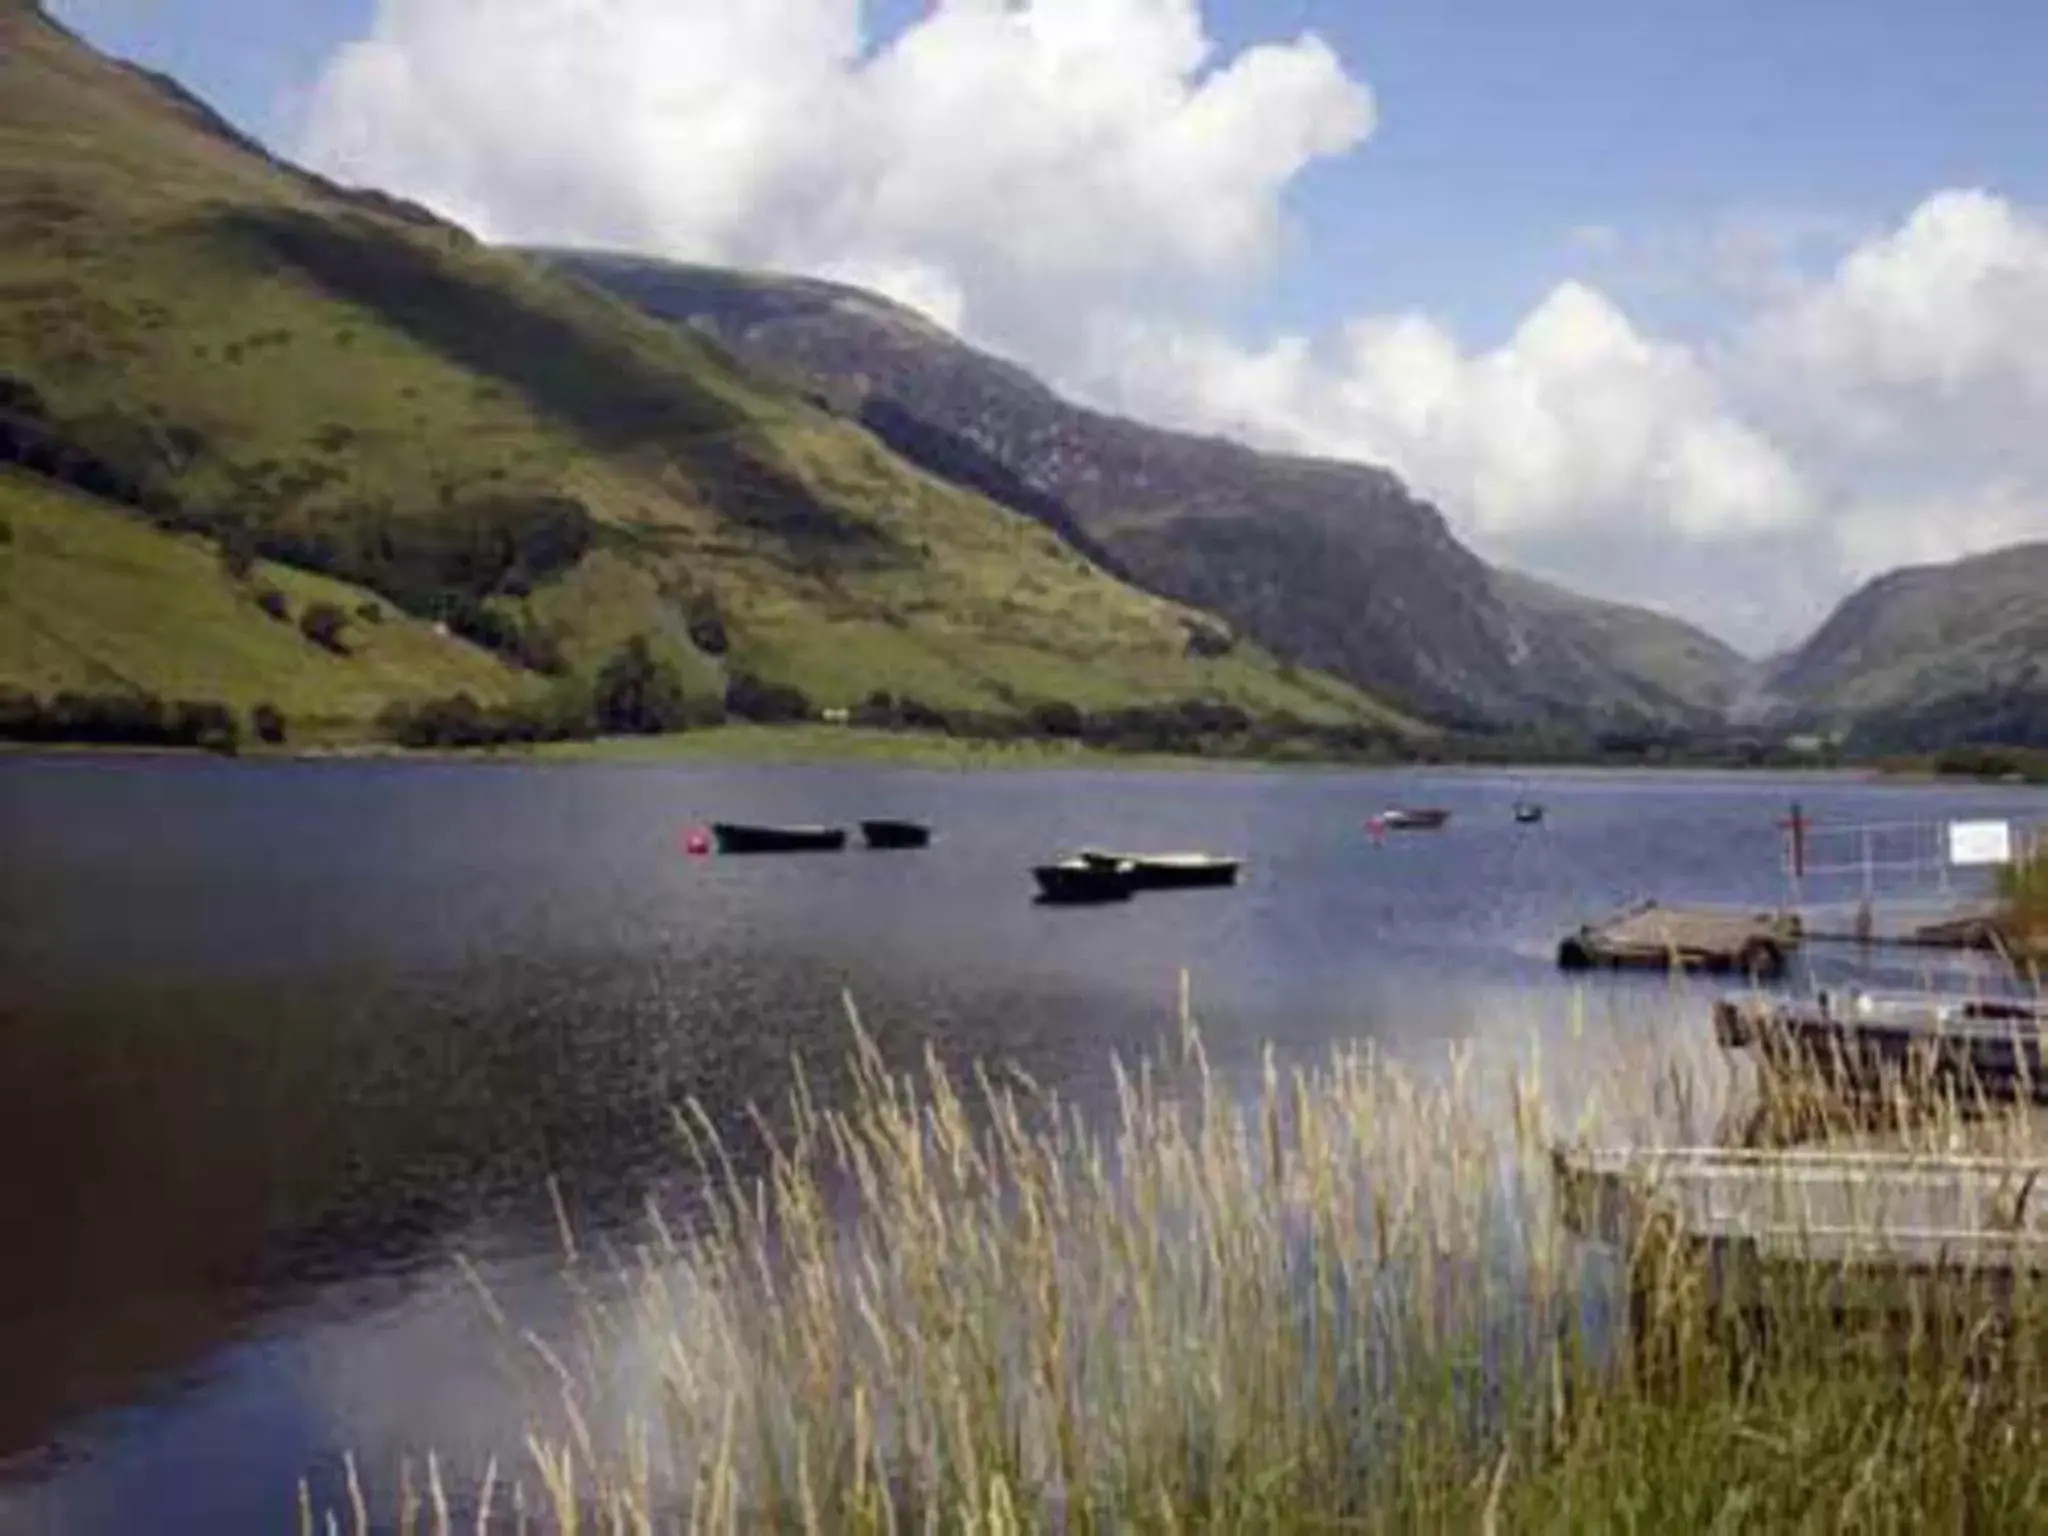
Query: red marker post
[{"x": 1795, "y": 828}]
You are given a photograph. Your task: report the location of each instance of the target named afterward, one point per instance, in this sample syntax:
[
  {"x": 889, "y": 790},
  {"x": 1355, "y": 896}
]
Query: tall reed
[{"x": 1344, "y": 1300}]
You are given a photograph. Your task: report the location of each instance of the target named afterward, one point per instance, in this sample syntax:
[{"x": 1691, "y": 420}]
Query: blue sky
[
  {"x": 1719, "y": 305},
  {"x": 1505, "y": 125}
]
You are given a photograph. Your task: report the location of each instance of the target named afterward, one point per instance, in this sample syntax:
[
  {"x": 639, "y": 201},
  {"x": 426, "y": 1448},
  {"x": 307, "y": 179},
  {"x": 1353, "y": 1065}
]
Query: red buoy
[{"x": 697, "y": 843}]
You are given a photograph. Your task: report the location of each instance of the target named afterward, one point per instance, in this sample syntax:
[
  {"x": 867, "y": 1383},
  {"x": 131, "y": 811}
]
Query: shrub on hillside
[
  {"x": 519, "y": 639},
  {"x": 1061, "y": 722},
  {"x": 267, "y": 721},
  {"x": 324, "y": 625},
  {"x": 749, "y": 698},
  {"x": 116, "y": 719},
  {"x": 21, "y": 715},
  {"x": 460, "y": 722},
  {"x": 201, "y": 724},
  {"x": 707, "y": 626},
  {"x": 274, "y": 603},
  {"x": 1991, "y": 762},
  {"x": 885, "y": 711},
  {"x": 238, "y": 553},
  {"x": 638, "y": 694}
]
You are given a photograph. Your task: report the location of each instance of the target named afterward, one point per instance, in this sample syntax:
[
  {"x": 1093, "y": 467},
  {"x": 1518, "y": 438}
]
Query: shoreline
[{"x": 820, "y": 745}]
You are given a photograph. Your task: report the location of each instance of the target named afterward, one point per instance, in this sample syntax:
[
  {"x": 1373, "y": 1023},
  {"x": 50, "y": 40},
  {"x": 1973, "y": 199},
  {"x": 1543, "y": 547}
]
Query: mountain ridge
[{"x": 1332, "y": 564}]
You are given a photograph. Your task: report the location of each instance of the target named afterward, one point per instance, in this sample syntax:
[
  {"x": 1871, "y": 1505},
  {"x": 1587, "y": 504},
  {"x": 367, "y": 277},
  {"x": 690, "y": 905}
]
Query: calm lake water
[{"x": 277, "y": 1042}]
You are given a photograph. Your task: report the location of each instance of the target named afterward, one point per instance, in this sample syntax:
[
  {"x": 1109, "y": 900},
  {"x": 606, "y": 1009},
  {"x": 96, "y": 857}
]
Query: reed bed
[
  {"x": 1343, "y": 1300},
  {"x": 2024, "y": 890}
]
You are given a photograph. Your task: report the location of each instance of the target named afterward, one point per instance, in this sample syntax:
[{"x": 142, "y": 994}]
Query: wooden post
[{"x": 1795, "y": 853}]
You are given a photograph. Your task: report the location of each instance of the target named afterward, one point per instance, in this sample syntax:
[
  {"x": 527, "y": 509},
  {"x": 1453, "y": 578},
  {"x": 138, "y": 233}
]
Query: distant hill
[
  {"x": 340, "y": 383},
  {"x": 1659, "y": 667},
  {"x": 1931, "y": 655},
  {"x": 1337, "y": 566}
]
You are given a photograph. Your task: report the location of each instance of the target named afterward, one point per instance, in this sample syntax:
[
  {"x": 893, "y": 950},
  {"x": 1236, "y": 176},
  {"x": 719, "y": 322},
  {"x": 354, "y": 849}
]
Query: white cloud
[
  {"x": 1001, "y": 161},
  {"x": 1887, "y": 411},
  {"x": 1576, "y": 428},
  {"x": 1954, "y": 301},
  {"x": 1076, "y": 181},
  {"x": 1873, "y": 537}
]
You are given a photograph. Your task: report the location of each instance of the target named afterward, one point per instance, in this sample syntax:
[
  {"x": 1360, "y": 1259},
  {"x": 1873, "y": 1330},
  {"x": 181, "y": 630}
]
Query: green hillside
[
  {"x": 345, "y": 384},
  {"x": 1932, "y": 655},
  {"x": 94, "y": 600},
  {"x": 1631, "y": 659}
]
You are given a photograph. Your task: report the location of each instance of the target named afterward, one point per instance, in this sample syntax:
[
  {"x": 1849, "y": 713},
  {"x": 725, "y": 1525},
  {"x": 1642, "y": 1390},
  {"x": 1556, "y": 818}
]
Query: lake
[{"x": 279, "y": 1041}]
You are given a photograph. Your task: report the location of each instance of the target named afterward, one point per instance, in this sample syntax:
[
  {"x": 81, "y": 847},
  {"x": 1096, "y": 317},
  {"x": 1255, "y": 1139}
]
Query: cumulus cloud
[
  {"x": 1952, "y": 303},
  {"x": 1076, "y": 182},
  {"x": 1578, "y": 420},
  {"x": 1886, "y": 411},
  {"x": 999, "y": 162}
]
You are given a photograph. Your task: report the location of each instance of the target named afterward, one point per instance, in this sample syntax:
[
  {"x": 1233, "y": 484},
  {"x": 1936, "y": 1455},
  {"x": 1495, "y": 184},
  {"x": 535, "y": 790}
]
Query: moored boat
[
  {"x": 1528, "y": 813},
  {"x": 1413, "y": 819},
  {"x": 896, "y": 834},
  {"x": 1170, "y": 871},
  {"x": 737, "y": 838},
  {"x": 1080, "y": 882}
]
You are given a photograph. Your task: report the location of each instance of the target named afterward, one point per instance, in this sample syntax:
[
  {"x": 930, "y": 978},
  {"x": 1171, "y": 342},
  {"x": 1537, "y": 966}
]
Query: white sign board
[{"x": 1978, "y": 844}]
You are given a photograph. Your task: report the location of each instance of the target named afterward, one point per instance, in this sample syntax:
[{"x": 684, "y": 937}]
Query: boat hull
[
  {"x": 1082, "y": 884},
  {"x": 1174, "y": 873},
  {"x": 1415, "y": 821},
  {"x": 895, "y": 836},
  {"x": 737, "y": 839}
]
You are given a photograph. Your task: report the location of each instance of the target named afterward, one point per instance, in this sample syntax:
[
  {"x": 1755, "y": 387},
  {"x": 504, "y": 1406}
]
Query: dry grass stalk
[{"x": 1345, "y": 1299}]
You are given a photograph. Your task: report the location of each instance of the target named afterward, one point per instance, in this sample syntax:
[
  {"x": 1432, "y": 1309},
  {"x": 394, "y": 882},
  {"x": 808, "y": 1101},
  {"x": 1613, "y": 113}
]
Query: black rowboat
[
  {"x": 1414, "y": 820},
  {"x": 1078, "y": 882},
  {"x": 734, "y": 838},
  {"x": 896, "y": 835}
]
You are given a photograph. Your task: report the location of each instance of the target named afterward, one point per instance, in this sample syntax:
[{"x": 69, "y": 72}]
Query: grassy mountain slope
[
  {"x": 1932, "y": 654},
  {"x": 1660, "y": 667},
  {"x": 94, "y": 600},
  {"x": 1335, "y": 565},
  {"x": 191, "y": 328}
]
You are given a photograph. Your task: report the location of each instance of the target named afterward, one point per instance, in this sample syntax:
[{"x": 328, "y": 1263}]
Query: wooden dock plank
[
  {"x": 1880, "y": 1210},
  {"x": 1996, "y": 1047}
]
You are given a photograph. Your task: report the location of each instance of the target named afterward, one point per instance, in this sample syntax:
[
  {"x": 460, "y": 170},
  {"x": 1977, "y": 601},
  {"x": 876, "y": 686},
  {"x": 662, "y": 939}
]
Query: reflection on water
[{"x": 276, "y": 1043}]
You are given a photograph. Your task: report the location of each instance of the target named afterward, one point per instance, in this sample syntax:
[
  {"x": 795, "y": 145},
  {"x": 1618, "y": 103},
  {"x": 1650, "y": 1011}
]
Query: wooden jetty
[
  {"x": 1981, "y": 927},
  {"x": 1652, "y": 936},
  {"x": 1871, "y": 1248},
  {"x": 1895, "y": 1212},
  {"x": 1989, "y": 1046}
]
